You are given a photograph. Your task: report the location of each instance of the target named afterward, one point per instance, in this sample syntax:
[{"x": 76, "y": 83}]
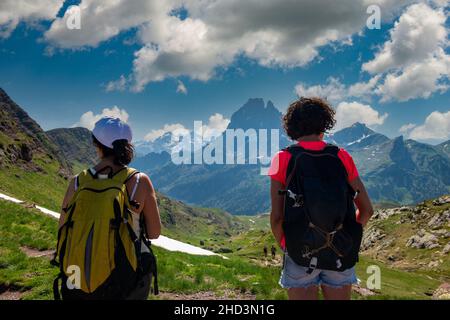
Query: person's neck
[
  {"x": 107, "y": 162},
  {"x": 313, "y": 137}
]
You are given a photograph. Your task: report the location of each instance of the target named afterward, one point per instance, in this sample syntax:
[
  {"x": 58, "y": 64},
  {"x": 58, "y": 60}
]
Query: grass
[
  {"x": 178, "y": 273},
  {"x": 21, "y": 227},
  {"x": 44, "y": 188}
]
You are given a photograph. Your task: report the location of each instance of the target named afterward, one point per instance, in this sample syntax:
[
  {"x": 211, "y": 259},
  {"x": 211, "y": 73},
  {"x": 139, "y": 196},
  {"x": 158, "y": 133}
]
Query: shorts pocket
[{"x": 293, "y": 270}]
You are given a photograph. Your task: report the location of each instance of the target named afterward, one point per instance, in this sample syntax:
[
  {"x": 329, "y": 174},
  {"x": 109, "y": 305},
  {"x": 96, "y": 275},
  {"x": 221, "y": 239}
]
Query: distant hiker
[
  {"x": 314, "y": 186},
  {"x": 109, "y": 213},
  {"x": 265, "y": 250},
  {"x": 273, "y": 251}
]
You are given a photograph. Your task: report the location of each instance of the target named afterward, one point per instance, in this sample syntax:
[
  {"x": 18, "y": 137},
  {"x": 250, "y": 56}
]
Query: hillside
[
  {"x": 444, "y": 148},
  {"x": 75, "y": 144},
  {"x": 30, "y": 164},
  {"x": 28, "y": 239},
  {"x": 412, "y": 238},
  {"x": 22, "y": 140}
]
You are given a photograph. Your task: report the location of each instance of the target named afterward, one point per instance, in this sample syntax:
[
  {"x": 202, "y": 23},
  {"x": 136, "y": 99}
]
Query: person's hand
[{"x": 361, "y": 219}]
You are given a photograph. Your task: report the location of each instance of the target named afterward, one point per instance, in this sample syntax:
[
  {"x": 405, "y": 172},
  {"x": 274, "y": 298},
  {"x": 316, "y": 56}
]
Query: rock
[
  {"x": 202, "y": 243},
  {"x": 439, "y": 219},
  {"x": 441, "y": 201},
  {"x": 433, "y": 264},
  {"x": 224, "y": 250},
  {"x": 403, "y": 209},
  {"x": 362, "y": 291},
  {"x": 440, "y": 232},
  {"x": 371, "y": 237},
  {"x": 442, "y": 292},
  {"x": 25, "y": 153},
  {"x": 423, "y": 240},
  {"x": 382, "y": 214},
  {"x": 446, "y": 249}
]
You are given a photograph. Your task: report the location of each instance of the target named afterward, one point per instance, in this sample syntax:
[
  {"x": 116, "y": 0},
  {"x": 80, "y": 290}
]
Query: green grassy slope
[
  {"x": 179, "y": 273},
  {"x": 45, "y": 188}
]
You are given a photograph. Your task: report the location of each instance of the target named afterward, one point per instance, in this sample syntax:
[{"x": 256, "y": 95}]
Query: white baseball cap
[{"x": 109, "y": 129}]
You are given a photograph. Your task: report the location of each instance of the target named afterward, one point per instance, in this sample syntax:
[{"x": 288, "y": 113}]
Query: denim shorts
[{"x": 295, "y": 276}]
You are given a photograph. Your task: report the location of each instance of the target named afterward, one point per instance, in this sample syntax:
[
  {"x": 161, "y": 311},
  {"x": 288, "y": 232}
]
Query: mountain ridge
[{"x": 394, "y": 170}]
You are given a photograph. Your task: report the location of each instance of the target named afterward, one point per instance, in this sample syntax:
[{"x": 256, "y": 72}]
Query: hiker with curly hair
[{"x": 314, "y": 189}]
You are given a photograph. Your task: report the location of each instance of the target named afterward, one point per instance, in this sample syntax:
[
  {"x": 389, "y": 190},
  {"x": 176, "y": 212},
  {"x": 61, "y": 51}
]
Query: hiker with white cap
[{"x": 109, "y": 214}]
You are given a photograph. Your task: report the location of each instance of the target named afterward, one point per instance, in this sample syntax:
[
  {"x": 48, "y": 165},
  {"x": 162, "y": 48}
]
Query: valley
[{"x": 408, "y": 243}]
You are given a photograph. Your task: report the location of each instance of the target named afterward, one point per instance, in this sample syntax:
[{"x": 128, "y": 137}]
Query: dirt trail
[
  {"x": 206, "y": 295},
  {"x": 35, "y": 253}
]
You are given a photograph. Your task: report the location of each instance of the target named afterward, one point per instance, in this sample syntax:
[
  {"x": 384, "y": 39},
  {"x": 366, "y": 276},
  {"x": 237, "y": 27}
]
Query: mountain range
[{"x": 395, "y": 171}]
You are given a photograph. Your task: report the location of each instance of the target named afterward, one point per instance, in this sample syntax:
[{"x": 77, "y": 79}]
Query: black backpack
[{"x": 320, "y": 224}]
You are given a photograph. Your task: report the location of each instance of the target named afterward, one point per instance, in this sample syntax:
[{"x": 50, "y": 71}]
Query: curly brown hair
[{"x": 307, "y": 116}]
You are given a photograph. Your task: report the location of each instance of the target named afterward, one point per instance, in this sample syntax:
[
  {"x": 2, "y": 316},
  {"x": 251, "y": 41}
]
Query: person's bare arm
[
  {"x": 277, "y": 215},
  {"x": 69, "y": 194},
  {"x": 150, "y": 210},
  {"x": 362, "y": 201}
]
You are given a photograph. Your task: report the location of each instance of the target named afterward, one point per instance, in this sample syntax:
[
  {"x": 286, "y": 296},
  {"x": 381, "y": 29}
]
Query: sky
[{"x": 161, "y": 65}]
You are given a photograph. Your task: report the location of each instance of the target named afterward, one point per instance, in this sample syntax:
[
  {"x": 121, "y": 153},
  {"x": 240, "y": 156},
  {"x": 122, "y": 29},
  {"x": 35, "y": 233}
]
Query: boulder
[
  {"x": 441, "y": 201},
  {"x": 439, "y": 219},
  {"x": 25, "y": 153},
  {"x": 371, "y": 237},
  {"x": 446, "y": 249},
  {"x": 442, "y": 292},
  {"x": 423, "y": 240}
]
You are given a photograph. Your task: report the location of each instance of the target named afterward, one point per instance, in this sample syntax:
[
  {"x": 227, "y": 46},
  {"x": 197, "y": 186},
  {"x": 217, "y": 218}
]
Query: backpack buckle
[
  {"x": 298, "y": 198},
  {"x": 312, "y": 265}
]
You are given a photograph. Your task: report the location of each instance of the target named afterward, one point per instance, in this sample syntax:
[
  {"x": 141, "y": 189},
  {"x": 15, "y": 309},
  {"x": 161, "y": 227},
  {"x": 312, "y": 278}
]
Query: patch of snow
[
  {"x": 359, "y": 140},
  {"x": 48, "y": 212},
  {"x": 8, "y": 198},
  {"x": 175, "y": 245}
]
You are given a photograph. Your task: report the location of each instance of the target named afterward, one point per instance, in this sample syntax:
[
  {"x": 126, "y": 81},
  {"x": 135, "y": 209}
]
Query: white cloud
[
  {"x": 364, "y": 89},
  {"x": 14, "y": 11},
  {"x": 418, "y": 80},
  {"x": 216, "y": 124},
  {"x": 285, "y": 33},
  {"x": 88, "y": 119},
  {"x": 435, "y": 127},
  {"x": 168, "y": 128},
  {"x": 335, "y": 91},
  {"x": 117, "y": 85},
  {"x": 181, "y": 88},
  {"x": 347, "y": 113},
  {"x": 104, "y": 19},
  {"x": 413, "y": 60},
  {"x": 417, "y": 35},
  {"x": 406, "y": 128}
]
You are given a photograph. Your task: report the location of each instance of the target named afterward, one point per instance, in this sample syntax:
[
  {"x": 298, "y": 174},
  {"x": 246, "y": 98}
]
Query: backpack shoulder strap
[
  {"x": 294, "y": 148},
  {"x": 332, "y": 149},
  {"x": 83, "y": 177}
]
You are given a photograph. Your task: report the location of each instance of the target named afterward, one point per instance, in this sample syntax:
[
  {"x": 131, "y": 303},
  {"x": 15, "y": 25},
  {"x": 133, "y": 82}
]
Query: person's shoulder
[
  {"x": 142, "y": 176},
  {"x": 344, "y": 153}
]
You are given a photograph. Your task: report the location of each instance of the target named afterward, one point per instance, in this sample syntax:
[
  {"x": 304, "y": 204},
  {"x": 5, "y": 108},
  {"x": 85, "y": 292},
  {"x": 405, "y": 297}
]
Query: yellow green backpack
[{"x": 98, "y": 252}]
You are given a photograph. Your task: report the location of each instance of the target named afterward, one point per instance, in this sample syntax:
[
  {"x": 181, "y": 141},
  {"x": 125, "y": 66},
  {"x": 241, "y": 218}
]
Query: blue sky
[{"x": 56, "y": 81}]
